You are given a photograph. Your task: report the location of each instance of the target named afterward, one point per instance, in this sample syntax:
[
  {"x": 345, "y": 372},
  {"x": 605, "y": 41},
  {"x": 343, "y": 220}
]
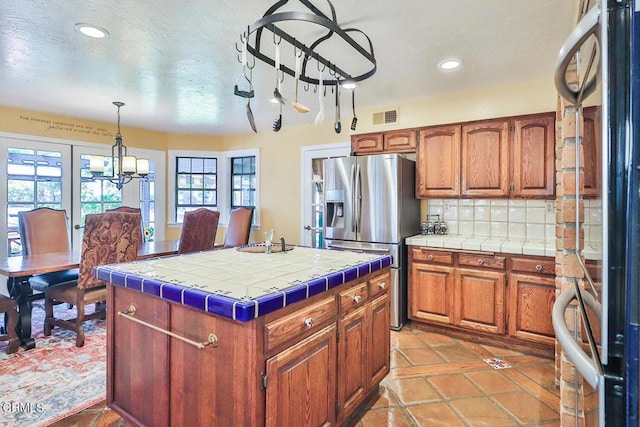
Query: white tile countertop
[
  {"x": 242, "y": 285},
  {"x": 492, "y": 244}
]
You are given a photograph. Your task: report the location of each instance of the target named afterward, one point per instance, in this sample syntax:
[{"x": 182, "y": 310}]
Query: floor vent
[{"x": 385, "y": 117}]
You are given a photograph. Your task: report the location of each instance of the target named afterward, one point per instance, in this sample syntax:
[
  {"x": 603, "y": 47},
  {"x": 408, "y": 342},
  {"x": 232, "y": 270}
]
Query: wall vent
[{"x": 386, "y": 117}]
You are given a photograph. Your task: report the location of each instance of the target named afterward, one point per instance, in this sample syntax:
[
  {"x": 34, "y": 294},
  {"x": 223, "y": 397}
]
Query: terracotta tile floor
[{"x": 437, "y": 380}]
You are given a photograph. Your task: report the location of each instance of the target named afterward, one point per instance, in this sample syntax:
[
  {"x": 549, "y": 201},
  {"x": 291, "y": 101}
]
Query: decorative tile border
[{"x": 497, "y": 363}]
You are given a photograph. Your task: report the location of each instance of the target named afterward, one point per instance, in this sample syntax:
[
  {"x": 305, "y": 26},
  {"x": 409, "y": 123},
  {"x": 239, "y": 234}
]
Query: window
[
  {"x": 243, "y": 181},
  {"x": 196, "y": 182},
  {"x": 99, "y": 195},
  {"x": 232, "y": 178},
  {"x": 34, "y": 180}
]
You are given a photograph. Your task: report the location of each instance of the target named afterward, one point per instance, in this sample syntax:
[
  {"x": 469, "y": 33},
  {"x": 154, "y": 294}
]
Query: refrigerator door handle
[
  {"x": 358, "y": 198},
  {"x": 360, "y": 250},
  {"x": 352, "y": 179}
]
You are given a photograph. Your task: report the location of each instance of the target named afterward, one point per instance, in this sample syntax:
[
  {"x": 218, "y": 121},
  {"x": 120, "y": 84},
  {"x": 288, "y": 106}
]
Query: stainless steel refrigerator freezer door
[
  {"x": 339, "y": 176},
  {"x": 377, "y": 193}
]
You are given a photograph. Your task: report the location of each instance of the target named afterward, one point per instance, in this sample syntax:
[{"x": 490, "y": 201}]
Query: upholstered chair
[
  {"x": 199, "y": 230},
  {"x": 239, "y": 227},
  {"x": 42, "y": 231},
  {"x": 109, "y": 238},
  {"x": 130, "y": 209},
  {"x": 10, "y": 308}
]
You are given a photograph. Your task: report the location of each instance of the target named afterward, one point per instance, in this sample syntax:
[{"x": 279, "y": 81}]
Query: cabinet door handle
[
  {"x": 309, "y": 322},
  {"x": 538, "y": 267},
  {"x": 430, "y": 257},
  {"x": 357, "y": 299},
  {"x": 480, "y": 261},
  {"x": 383, "y": 285}
]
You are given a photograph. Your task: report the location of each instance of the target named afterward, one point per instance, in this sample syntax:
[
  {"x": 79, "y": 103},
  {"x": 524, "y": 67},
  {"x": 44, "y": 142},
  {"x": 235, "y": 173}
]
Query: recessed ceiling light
[
  {"x": 92, "y": 31},
  {"x": 449, "y": 64}
]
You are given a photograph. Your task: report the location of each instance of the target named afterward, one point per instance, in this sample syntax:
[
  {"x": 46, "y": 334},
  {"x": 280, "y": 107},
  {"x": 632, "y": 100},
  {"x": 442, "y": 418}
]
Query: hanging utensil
[
  {"x": 354, "y": 121},
  {"x": 252, "y": 121},
  {"x": 278, "y": 123},
  {"x": 320, "y": 115},
  {"x": 277, "y": 91},
  {"x": 300, "y": 108},
  {"x": 247, "y": 94},
  {"x": 337, "y": 126}
]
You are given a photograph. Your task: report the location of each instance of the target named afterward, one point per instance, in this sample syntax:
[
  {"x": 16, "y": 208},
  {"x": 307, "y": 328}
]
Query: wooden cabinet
[
  {"x": 493, "y": 294},
  {"x": 485, "y": 159},
  {"x": 509, "y": 157},
  {"x": 438, "y": 160},
  {"x": 367, "y": 143},
  {"x": 363, "y": 329},
  {"x": 431, "y": 293},
  {"x": 532, "y": 292},
  {"x": 310, "y": 365},
  {"x": 317, "y": 359},
  {"x": 532, "y": 156},
  {"x": 591, "y": 140},
  {"x": 480, "y": 303},
  {"x": 395, "y": 141}
]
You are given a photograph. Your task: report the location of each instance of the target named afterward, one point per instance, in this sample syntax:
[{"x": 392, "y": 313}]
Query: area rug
[{"x": 56, "y": 379}]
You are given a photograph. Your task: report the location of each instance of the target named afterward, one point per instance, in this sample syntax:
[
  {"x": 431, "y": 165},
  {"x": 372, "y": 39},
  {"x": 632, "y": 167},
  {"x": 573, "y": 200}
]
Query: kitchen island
[{"x": 231, "y": 337}]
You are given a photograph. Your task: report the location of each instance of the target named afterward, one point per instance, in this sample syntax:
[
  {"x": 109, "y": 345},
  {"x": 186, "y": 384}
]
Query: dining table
[{"x": 18, "y": 269}]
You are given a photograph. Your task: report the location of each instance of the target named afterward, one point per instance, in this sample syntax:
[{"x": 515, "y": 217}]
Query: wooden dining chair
[
  {"x": 109, "y": 238},
  {"x": 42, "y": 231},
  {"x": 10, "y": 308},
  {"x": 239, "y": 227},
  {"x": 199, "y": 230}
]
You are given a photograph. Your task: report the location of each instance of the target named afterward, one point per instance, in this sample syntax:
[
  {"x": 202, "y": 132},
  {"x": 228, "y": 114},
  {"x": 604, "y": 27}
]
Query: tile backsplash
[{"x": 510, "y": 219}]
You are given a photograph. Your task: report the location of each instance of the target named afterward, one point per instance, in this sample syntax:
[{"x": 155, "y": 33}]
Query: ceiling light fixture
[
  {"x": 128, "y": 166},
  {"x": 449, "y": 64},
  {"x": 349, "y": 85},
  {"x": 93, "y": 31}
]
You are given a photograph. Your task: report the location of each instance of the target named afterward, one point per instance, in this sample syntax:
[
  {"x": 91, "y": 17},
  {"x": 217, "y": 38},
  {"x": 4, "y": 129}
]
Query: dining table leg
[{"x": 20, "y": 290}]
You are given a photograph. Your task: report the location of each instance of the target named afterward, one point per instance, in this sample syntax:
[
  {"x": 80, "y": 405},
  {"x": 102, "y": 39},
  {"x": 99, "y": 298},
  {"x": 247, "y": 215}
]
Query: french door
[
  {"x": 54, "y": 173},
  {"x": 38, "y": 175},
  {"x": 312, "y": 198}
]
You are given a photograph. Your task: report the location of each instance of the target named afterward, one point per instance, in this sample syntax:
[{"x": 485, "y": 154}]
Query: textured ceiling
[{"x": 174, "y": 63}]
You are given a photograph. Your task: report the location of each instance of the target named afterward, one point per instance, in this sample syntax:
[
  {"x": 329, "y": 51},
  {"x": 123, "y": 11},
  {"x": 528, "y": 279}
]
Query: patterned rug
[{"x": 56, "y": 379}]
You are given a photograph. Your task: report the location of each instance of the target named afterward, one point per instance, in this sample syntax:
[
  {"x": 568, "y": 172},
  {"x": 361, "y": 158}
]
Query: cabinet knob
[
  {"x": 357, "y": 299},
  {"x": 538, "y": 267},
  {"x": 430, "y": 257},
  {"x": 480, "y": 261},
  {"x": 383, "y": 285},
  {"x": 309, "y": 322}
]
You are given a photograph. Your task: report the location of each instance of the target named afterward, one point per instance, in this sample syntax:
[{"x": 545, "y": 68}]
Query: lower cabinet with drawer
[
  {"x": 494, "y": 294},
  {"x": 316, "y": 360}
]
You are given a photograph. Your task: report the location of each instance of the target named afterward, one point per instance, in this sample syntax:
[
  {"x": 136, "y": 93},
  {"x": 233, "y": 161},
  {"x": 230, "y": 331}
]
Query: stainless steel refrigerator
[{"x": 370, "y": 206}]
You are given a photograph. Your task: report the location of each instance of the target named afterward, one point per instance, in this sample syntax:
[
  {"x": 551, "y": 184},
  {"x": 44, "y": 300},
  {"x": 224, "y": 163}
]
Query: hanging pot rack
[{"x": 316, "y": 16}]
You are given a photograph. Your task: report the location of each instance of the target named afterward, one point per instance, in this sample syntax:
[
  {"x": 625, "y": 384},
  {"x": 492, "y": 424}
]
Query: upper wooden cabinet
[
  {"x": 532, "y": 156},
  {"x": 511, "y": 157},
  {"x": 591, "y": 139},
  {"x": 396, "y": 141},
  {"x": 438, "y": 157},
  {"x": 367, "y": 143},
  {"x": 485, "y": 159}
]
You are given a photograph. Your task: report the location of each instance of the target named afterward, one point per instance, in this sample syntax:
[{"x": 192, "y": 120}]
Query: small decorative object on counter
[
  {"x": 442, "y": 227},
  {"x": 424, "y": 228}
]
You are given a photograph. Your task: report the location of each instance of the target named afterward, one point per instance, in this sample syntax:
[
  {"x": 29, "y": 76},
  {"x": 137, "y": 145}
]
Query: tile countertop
[
  {"x": 242, "y": 285},
  {"x": 492, "y": 244}
]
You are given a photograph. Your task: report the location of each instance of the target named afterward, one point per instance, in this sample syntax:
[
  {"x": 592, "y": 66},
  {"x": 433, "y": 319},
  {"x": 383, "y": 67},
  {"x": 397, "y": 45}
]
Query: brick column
[{"x": 578, "y": 401}]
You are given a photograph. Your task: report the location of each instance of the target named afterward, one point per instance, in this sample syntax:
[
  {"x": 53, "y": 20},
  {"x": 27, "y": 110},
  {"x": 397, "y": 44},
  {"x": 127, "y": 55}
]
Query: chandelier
[{"x": 127, "y": 167}]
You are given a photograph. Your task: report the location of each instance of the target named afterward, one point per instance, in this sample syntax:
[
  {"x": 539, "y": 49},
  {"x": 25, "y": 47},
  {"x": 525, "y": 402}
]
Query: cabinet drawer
[
  {"x": 300, "y": 323},
  {"x": 353, "y": 297},
  {"x": 481, "y": 261},
  {"x": 532, "y": 265},
  {"x": 379, "y": 285},
  {"x": 429, "y": 255}
]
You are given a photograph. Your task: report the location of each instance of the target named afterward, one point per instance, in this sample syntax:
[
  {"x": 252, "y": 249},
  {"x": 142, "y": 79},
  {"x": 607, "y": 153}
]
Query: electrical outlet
[
  {"x": 549, "y": 206},
  {"x": 446, "y": 206}
]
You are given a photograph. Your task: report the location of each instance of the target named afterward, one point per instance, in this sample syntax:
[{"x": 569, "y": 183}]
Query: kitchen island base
[{"x": 315, "y": 362}]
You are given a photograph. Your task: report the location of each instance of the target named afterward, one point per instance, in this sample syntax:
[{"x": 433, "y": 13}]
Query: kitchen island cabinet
[{"x": 196, "y": 340}]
